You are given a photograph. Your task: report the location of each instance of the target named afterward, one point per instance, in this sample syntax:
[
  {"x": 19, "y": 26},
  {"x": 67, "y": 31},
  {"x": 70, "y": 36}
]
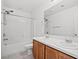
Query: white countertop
[{"x": 59, "y": 43}]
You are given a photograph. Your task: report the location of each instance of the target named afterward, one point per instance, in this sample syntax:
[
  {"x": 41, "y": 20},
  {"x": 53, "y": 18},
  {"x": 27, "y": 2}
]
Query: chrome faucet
[
  {"x": 75, "y": 34},
  {"x": 68, "y": 40}
]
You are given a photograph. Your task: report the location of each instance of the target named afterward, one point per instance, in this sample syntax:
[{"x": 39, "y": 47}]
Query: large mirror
[{"x": 62, "y": 19}]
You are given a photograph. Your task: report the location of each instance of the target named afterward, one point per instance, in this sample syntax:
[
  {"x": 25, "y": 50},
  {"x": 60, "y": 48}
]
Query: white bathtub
[{"x": 13, "y": 48}]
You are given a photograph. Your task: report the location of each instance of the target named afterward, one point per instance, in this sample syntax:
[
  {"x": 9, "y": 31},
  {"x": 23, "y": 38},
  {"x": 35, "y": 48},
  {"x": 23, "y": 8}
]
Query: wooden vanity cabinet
[
  {"x": 35, "y": 49},
  {"x": 64, "y": 56},
  {"x": 38, "y": 50},
  {"x": 41, "y": 51},
  {"x": 55, "y": 54},
  {"x": 51, "y": 53}
]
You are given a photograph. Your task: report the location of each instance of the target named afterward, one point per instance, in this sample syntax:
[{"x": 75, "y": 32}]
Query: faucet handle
[
  {"x": 4, "y": 34},
  {"x": 5, "y": 39},
  {"x": 68, "y": 41},
  {"x": 75, "y": 35}
]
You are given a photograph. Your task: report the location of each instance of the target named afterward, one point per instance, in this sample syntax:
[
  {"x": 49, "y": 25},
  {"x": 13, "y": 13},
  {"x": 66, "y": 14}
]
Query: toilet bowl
[
  {"x": 28, "y": 46},
  {"x": 28, "y": 49}
]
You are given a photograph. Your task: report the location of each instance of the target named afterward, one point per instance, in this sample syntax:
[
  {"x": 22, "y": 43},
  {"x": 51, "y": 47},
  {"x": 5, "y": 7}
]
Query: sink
[
  {"x": 64, "y": 44},
  {"x": 72, "y": 46}
]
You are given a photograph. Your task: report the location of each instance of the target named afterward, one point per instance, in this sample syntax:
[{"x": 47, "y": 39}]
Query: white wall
[
  {"x": 64, "y": 22},
  {"x": 38, "y": 22}
]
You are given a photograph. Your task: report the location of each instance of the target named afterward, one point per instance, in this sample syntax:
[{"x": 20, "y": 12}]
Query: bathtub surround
[{"x": 15, "y": 31}]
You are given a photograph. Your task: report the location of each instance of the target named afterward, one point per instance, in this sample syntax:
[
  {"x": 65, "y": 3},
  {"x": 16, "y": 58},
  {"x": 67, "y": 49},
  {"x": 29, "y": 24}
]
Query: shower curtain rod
[{"x": 16, "y": 15}]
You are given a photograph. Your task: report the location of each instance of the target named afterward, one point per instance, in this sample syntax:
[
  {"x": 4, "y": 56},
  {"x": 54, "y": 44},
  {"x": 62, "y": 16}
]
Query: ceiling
[
  {"x": 61, "y": 6},
  {"x": 23, "y": 5}
]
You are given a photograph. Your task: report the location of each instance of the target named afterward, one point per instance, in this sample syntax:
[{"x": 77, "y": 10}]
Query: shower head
[{"x": 8, "y": 12}]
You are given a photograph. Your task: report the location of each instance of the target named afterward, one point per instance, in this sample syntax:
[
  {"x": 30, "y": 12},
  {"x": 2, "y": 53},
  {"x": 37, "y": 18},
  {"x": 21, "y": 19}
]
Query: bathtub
[{"x": 13, "y": 48}]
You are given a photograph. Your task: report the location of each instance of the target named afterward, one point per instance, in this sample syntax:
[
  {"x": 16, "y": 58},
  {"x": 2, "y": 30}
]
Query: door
[{"x": 51, "y": 53}]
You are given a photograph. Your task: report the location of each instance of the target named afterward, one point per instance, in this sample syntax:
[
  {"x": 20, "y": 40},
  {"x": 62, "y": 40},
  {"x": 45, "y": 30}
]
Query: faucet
[
  {"x": 75, "y": 34},
  {"x": 68, "y": 40}
]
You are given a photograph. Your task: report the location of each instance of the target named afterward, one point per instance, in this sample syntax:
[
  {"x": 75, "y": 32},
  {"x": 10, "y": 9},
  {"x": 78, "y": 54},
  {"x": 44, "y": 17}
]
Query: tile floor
[{"x": 19, "y": 56}]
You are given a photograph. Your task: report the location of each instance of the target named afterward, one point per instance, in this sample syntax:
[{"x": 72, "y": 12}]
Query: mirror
[{"x": 62, "y": 19}]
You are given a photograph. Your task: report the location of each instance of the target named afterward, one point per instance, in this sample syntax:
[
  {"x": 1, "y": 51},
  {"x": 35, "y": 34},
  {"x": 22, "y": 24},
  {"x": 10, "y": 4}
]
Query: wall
[
  {"x": 38, "y": 22},
  {"x": 64, "y": 22}
]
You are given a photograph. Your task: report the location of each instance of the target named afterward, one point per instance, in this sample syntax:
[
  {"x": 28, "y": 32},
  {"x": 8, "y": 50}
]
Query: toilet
[{"x": 27, "y": 50}]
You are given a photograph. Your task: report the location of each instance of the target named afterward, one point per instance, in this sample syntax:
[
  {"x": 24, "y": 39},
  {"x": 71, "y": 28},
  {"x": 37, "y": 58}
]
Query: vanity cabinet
[
  {"x": 38, "y": 50},
  {"x": 55, "y": 54},
  {"x": 64, "y": 56},
  {"x": 35, "y": 49},
  {"x": 50, "y": 53},
  {"x": 41, "y": 51}
]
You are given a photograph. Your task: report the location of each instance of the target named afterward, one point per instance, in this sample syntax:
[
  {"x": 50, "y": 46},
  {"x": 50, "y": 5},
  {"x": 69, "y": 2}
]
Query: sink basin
[
  {"x": 62, "y": 43},
  {"x": 68, "y": 45},
  {"x": 72, "y": 46}
]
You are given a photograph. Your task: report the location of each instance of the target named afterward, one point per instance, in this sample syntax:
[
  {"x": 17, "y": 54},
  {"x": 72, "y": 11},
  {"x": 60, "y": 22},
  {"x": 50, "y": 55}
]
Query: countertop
[{"x": 59, "y": 43}]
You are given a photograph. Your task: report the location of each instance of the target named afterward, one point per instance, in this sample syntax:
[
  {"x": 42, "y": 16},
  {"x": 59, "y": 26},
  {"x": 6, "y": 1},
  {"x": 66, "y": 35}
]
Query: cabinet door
[
  {"x": 64, "y": 56},
  {"x": 41, "y": 51},
  {"x": 35, "y": 49},
  {"x": 51, "y": 53}
]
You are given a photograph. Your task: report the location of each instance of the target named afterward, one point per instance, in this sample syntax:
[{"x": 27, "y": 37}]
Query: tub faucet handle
[{"x": 5, "y": 39}]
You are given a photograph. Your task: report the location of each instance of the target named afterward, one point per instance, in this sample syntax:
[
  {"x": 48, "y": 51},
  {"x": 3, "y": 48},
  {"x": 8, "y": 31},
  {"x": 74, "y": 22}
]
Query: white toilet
[{"x": 27, "y": 50}]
